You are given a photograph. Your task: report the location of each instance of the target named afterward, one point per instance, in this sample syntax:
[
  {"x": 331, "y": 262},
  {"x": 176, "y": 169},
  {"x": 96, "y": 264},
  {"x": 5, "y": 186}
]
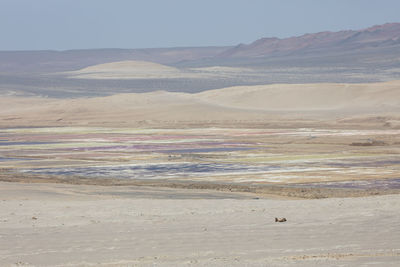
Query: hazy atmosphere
[
  {"x": 70, "y": 24},
  {"x": 199, "y": 133}
]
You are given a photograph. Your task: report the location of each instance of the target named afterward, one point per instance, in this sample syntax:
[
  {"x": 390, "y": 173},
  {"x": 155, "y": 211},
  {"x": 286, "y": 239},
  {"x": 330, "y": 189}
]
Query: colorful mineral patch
[{"x": 255, "y": 156}]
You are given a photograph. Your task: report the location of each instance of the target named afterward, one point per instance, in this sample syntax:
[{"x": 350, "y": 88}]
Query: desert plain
[
  {"x": 186, "y": 156},
  {"x": 178, "y": 179}
]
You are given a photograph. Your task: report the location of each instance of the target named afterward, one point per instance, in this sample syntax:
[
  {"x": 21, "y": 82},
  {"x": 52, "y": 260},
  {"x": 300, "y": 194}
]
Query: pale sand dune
[
  {"x": 69, "y": 225},
  {"x": 127, "y": 70},
  {"x": 131, "y": 69},
  {"x": 251, "y": 103},
  {"x": 298, "y": 97},
  {"x": 123, "y": 109}
]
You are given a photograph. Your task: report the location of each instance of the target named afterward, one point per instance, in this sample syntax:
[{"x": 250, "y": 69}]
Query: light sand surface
[
  {"x": 234, "y": 105},
  {"x": 126, "y": 70},
  {"x": 302, "y": 97},
  {"x": 71, "y": 225},
  {"x": 131, "y": 69}
]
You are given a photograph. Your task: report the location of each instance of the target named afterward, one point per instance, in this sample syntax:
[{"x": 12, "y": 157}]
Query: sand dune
[
  {"x": 246, "y": 103},
  {"x": 131, "y": 69},
  {"x": 120, "y": 109},
  {"x": 326, "y": 96},
  {"x": 127, "y": 70}
]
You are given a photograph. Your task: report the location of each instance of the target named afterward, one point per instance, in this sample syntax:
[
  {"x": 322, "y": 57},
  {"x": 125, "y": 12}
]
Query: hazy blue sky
[{"x": 74, "y": 24}]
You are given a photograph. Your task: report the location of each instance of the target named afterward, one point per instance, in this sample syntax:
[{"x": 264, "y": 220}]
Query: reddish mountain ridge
[{"x": 380, "y": 35}]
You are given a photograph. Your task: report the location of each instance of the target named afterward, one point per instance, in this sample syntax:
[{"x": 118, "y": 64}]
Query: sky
[{"x": 85, "y": 24}]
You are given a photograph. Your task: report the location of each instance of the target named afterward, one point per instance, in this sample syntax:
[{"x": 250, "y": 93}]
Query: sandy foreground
[{"x": 87, "y": 225}]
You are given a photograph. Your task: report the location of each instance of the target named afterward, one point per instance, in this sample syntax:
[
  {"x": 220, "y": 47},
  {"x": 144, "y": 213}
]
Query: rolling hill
[{"x": 234, "y": 105}]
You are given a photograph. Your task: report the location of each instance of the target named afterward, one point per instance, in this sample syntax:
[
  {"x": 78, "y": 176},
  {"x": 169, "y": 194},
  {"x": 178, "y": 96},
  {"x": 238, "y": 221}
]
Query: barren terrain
[
  {"x": 290, "y": 105},
  {"x": 198, "y": 179},
  {"x": 185, "y": 156},
  {"x": 66, "y": 225}
]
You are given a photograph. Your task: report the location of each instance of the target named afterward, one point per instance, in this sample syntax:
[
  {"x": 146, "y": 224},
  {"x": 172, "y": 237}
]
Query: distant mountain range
[
  {"x": 362, "y": 56},
  {"x": 377, "y": 36},
  {"x": 381, "y": 39}
]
